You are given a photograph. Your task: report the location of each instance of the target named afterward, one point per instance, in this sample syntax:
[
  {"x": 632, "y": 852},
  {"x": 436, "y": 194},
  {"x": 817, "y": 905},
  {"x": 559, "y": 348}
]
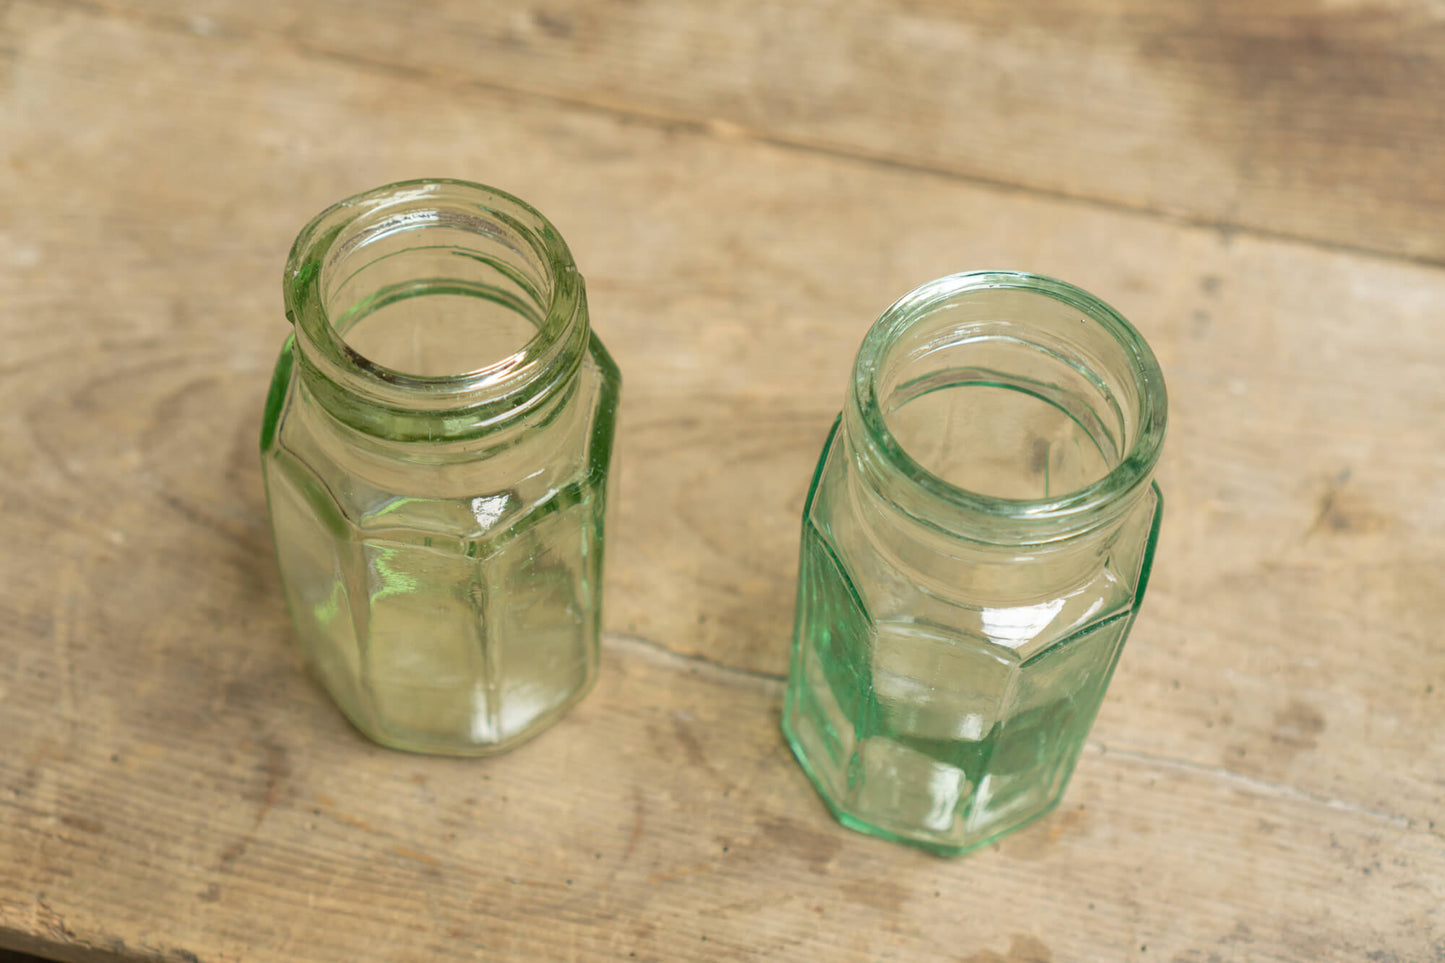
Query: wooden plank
[
  {"x": 664, "y": 819},
  {"x": 1265, "y": 783},
  {"x": 1311, "y": 118}
]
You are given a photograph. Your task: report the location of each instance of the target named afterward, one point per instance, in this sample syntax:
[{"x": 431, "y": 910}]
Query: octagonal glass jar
[
  {"x": 435, "y": 448},
  {"x": 975, "y": 547}
]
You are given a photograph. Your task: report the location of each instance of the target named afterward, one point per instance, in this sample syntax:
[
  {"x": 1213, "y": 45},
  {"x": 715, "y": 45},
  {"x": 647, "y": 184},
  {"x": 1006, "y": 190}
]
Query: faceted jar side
[
  {"x": 435, "y": 448},
  {"x": 945, "y": 724},
  {"x": 445, "y": 621},
  {"x": 951, "y": 649}
]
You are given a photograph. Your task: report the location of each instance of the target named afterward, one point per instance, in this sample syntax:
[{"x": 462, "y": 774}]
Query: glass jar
[
  {"x": 435, "y": 448},
  {"x": 976, "y": 543}
]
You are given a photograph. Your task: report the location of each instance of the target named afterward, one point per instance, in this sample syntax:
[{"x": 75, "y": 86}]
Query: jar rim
[
  {"x": 1059, "y": 514},
  {"x": 326, "y": 349}
]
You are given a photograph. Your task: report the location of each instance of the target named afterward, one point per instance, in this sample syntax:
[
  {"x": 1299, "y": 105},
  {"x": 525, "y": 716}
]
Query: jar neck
[
  {"x": 435, "y": 311},
  {"x": 1007, "y": 414}
]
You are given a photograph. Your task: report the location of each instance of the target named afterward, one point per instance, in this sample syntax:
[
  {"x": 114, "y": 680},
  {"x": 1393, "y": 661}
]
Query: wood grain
[
  {"x": 1318, "y": 119},
  {"x": 1265, "y": 781},
  {"x": 663, "y": 818}
]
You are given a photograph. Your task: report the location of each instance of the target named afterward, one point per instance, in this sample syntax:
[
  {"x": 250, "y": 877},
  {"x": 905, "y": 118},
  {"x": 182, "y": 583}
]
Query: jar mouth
[
  {"x": 387, "y": 222},
  {"x": 983, "y": 323}
]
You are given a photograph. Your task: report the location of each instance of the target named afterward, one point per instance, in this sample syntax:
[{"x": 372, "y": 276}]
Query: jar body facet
[
  {"x": 443, "y": 570},
  {"x": 948, "y": 661}
]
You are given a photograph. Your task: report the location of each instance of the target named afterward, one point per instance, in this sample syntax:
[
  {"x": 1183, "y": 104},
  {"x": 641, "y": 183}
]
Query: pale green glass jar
[
  {"x": 435, "y": 448},
  {"x": 975, "y": 546}
]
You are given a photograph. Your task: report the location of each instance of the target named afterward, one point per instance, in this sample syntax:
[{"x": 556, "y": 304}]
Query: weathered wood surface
[
  {"x": 1321, "y": 119},
  {"x": 1267, "y": 778}
]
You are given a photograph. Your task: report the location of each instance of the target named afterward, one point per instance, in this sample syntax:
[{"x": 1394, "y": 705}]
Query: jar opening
[
  {"x": 435, "y": 295},
  {"x": 435, "y": 292},
  {"x": 1011, "y": 396}
]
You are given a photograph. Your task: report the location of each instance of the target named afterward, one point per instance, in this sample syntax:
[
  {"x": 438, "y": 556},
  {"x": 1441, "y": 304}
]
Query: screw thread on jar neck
[
  {"x": 434, "y": 310},
  {"x": 1007, "y": 409}
]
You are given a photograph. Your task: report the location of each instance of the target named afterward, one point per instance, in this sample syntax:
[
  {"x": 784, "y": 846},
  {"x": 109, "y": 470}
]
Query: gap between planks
[
  {"x": 206, "y": 27},
  {"x": 659, "y": 654}
]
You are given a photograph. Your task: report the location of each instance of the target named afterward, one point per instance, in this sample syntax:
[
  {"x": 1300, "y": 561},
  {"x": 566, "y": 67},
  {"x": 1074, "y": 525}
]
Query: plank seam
[
  {"x": 731, "y": 130},
  {"x": 657, "y": 652},
  {"x": 1252, "y": 784}
]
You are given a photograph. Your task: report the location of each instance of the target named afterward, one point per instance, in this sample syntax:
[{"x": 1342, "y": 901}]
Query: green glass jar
[
  {"x": 975, "y": 546},
  {"x": 435, "y": 448}
]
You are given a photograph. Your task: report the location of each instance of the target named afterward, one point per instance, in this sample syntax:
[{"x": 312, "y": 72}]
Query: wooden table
[{"x": 745, "y": 185}]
